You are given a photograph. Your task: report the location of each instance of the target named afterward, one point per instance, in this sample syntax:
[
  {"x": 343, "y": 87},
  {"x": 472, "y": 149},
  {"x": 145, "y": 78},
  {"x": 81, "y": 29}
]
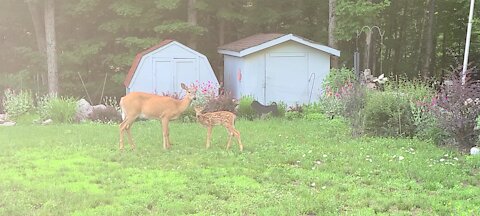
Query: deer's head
[{"x": 191, "y": 92}]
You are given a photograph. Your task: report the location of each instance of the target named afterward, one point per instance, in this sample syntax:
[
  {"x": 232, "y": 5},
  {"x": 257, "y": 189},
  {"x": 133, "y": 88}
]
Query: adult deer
[{"x": 150, "y": 106}]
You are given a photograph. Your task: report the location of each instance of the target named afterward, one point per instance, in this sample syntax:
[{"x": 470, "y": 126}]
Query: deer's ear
[{"x": 183, "y": 86}]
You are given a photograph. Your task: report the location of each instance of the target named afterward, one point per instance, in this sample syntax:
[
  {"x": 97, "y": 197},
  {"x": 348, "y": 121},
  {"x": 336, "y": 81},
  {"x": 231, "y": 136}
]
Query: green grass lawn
[{"x": 287, "y": 168}]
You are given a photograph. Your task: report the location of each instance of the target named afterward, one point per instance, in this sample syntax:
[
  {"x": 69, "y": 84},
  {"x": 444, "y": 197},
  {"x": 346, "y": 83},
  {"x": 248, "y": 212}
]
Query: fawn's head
[
  {"x": 198, "y": 110},
  {"x": 191, "y": 92}
]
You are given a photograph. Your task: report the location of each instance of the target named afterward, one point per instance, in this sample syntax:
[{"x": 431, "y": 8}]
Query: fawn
[{"x": 225, "y": 118}]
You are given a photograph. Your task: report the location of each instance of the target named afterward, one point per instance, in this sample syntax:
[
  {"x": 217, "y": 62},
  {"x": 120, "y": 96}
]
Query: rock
[
  {"x": 84, "y": 109},
  {"x": 47, "y": 122},
  {"x": 3, "y": 117},
  {"x": 99, "y": 107},
  {"x": 7, "y": 124},
  {"x": 475, "y": 151}
]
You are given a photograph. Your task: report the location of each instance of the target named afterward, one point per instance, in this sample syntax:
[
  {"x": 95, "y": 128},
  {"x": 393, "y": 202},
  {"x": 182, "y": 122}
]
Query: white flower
[
  {"x": 400, "y": 158},
  {"x": 324, "y": 187},
  {"x": 441, "y": 160}
]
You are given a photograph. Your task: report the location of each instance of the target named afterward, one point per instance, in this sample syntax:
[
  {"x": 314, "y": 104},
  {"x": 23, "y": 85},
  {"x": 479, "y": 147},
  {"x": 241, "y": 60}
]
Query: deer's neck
[{"x": 184, "y": 103}]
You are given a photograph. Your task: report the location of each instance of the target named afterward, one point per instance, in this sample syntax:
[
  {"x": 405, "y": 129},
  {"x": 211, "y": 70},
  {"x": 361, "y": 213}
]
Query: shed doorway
[
  {"x": 286, "y": 77},
  {"x": 170, "y": 73}
]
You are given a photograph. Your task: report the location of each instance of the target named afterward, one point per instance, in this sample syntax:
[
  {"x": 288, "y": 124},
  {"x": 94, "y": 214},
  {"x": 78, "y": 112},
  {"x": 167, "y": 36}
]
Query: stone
[
  {"x": 84, "y": 109},
  {"x": 8, "y": 124},
  {"x": 475, "y": 151},
  {"x": 47, "y": 122}
]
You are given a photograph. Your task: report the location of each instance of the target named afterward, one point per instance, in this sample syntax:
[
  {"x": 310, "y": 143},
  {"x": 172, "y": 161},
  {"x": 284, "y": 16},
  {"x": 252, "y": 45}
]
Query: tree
[
  {"x": 51, "y": 44},
  {"x": 192, "y": 20},
  {"x": 428, "y": 39},
  {"x": 332, "y": 41}
]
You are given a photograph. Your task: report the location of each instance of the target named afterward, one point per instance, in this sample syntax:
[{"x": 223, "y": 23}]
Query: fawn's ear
[{"x": 183, "y": 86}]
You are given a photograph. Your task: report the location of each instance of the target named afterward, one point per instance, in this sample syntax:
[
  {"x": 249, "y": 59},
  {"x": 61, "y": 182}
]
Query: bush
[
  {"x": 223, "y": 102},
  {"x": 282, "y": 109},
  {"x": 294, "y": 112},
  {"x": 244, "y": 107},
  {"x": 337, "y": 78},
  {"x": 17, "y": 104},
  {"x": 388, "y": 114},
  {"x": 59, "y": 109},
  {"x": 109, "y": 114},
  {"x": 456, "y": 109}
]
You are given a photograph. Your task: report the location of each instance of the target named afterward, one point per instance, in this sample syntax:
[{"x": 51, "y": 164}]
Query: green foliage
[
  {"x": 282, "y": 108},
  {"x": 337, "y": 78},
  {"x": 59, "y": 109},
  {"x": 352, "y": 15},
  {"x": 244, "y": 107},
  {"x": 415, "y": 90},
  {"x": 388, "y": 114},
  {"x": 16, "y": 104}
]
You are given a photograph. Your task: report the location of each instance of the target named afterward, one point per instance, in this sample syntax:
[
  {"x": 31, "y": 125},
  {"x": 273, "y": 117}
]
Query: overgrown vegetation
[
  {"x": 59, "y": 109},
  {"x": 17, "y": 103}
]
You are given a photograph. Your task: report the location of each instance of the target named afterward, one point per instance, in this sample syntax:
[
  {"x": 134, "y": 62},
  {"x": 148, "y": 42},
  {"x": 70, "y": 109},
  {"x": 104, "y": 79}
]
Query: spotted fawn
[{"x": 224, "y": 118}]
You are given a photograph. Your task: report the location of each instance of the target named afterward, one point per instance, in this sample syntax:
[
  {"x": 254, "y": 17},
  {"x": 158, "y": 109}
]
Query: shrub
[
  {"x": 244, "y": 107},
  {"x": 388, "y": 114},
  {"x": 109, "y": 114},
  {"x": 188, "y": 115},
  {"x": 282, "y": 109},
  {"x": 456, "y": 109},
  {"x": 426, "y": 125},
  {"x": 224, "y": 102},
  {"x": 315, "y": 116},
  {"x": 16, "y": 104},
  {"x": 337, "y": 78},
  {"x": 294, "y": 112},
  {"x": 59, "y": 109}
]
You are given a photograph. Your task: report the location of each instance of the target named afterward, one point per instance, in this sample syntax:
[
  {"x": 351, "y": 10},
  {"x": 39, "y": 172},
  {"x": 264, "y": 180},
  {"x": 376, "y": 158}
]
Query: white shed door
[
  {"x": 286, "y": 78},
  {"x": 163, "y": 75},
  {"x": 186, "y": 71}
]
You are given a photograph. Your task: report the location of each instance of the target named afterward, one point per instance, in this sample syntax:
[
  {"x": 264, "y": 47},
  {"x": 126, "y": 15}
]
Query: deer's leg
[
  {"x": 130, "y": 139},
  {"x": 122, "y": 131},
  {"x": 230, "y": 133},
  {"x": 209, "y": 136},
  {"x": 166, "y": 139},
  {"x": 125, "y": 126},
  {"x": 236, "y": 133}
]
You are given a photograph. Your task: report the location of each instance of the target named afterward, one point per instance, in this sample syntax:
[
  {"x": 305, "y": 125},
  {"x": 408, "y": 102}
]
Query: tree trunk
[
  {"x": 192, "y": 20},
  {"x": 38, "y": 26},
  {"x": 51, "y": 47},
  {"x": 221, "y": 32},
  {"x": 332, "y": 41},
  {"x": 368, "y": 42},
  {"x": 428, "y": 39}
]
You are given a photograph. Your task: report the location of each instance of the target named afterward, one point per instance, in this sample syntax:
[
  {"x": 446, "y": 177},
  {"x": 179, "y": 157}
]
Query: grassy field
[{"x": 287, "y": 168}]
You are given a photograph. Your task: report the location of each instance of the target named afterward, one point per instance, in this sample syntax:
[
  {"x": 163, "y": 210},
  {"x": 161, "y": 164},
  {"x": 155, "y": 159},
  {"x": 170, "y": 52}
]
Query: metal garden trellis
[{"x": 368, "y": 32}]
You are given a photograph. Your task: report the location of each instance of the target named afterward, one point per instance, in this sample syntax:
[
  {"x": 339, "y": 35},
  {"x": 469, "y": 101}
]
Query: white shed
[
  {"x": 276, "y": 67},
  {"x": 161, "y": 69}
]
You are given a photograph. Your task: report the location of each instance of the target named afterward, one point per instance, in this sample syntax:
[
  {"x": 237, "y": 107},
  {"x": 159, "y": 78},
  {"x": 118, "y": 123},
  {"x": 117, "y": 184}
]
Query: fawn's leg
[
  {"x": 237, "y": 135},
  {"x": 230, "y": 133},
  {"x": 209, "y": 136},
  {"x": 166, "y": 139}
]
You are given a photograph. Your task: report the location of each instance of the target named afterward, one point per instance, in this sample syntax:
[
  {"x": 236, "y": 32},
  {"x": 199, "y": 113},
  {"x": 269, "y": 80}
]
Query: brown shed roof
[{"x": 251, "y": 41}]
